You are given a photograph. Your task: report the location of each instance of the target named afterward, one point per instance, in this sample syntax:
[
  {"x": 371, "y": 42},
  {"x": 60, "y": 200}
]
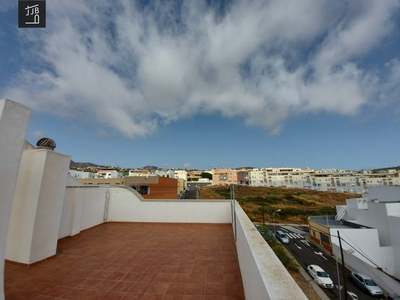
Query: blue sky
[{"x": 201, "y": 85}]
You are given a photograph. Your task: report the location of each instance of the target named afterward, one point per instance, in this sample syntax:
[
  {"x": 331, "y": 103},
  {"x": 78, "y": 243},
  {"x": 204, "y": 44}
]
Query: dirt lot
[{"x": 296, "y": 204}]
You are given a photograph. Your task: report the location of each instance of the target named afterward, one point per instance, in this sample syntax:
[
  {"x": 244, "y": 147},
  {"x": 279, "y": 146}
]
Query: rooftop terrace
[{"x": 135, "y": 261}]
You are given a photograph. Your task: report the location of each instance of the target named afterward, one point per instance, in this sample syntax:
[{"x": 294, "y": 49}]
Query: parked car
[
  {"x": 366, "y": 283},
  {"x": 283, "y": 237},
  {"x": 320, "y": 276}
]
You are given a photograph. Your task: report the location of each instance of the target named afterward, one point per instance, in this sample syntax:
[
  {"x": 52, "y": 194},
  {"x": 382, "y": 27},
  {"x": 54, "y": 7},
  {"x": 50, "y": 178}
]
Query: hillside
[{"x": 296, "y": 204}]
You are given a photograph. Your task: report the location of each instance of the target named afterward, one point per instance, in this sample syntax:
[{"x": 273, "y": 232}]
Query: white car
[
  {"x": 366, "y": 283},
  {"x": 320, "y": 276}
]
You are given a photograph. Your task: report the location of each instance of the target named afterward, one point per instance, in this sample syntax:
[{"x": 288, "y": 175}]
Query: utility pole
[{"x": 343, "y": 267}]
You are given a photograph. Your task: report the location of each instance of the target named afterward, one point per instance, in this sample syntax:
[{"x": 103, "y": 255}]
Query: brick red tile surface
[{"x": 135, "y": 261}]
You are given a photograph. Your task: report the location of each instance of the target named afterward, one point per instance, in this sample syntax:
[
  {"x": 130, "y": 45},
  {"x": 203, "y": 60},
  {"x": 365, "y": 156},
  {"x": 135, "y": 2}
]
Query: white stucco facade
[
  {"x": 14, "y": 120},
  {"x": 81, "y": 175},
  {"x": 377, "y": 215},
  {"x": 37, "y": 206}
]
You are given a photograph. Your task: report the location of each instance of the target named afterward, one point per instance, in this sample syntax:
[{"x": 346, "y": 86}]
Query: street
[{"x": 306, "y": 253}]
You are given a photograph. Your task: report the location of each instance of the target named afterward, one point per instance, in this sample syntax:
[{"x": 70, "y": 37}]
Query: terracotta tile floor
[{"x": 135, "y": 261}]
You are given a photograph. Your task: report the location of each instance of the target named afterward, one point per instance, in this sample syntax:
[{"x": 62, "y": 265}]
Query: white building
[
  {"x": 369, "y": 230},
  {"x": 182, "y": 174},
  {"x": 81, "y": 175},
  {"x": 165, "y": 173},
  {"x": 172, "y": 173},
  {"x": 138, "y": 172},
  {"x": 323, "y": 180},
  {"x": 107, "y": 174},
  {"x": 281, "y": 177},
  {"x": 379, "y": 211}
]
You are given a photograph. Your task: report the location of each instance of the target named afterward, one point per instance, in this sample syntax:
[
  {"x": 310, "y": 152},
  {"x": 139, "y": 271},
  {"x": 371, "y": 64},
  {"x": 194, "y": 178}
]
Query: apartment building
[
  {"x": 323, "y": 180},
  {"x": 138, "y": 172},
  {"x": 194, "y": 175},
  {"x": 154, "y": 187},
  {"x": 81, "y": 175},
  {"x": 108, "y": 173},
  {"x": 182, "y": 174},
  {"x": 242, "y": 176},
  {"x": 282, "y": 177},
  {"x": 172, "y": 173},
  {"x": 224, "y": 176}
]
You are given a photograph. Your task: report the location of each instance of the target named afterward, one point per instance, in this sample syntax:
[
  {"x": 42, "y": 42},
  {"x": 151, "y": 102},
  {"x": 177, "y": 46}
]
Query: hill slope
[{"x": 296, "y": 204}]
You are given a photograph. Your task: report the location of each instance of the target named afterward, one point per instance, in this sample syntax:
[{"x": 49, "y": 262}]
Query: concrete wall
[
  {"x": 14, "y": 120},
  {"x": 264, "y": 277},
  {"x": 364, "y": 242},
  {"x": 394, "y": 225},
  {"x": 383, "y": 193},
  {"x": 353, "y": 262},
  {"x": 375, "y": 216},
  {"x": 126, "y": 207},
  {"x": 37, "y": 206},
  {"x": 85, "y": 207}
]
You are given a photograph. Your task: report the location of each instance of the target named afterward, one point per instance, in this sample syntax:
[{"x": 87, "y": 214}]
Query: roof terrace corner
[{"x": 112, "y": 243}]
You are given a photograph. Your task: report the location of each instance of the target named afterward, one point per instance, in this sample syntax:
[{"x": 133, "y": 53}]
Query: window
[{"x": 325, "y": 239}]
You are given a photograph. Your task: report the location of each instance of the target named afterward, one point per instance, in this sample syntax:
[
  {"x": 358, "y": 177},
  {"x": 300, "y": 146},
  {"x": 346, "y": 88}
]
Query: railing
[{"x": 341, "y": 213}]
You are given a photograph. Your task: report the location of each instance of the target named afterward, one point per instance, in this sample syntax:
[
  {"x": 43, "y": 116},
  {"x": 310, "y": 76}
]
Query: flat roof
[
  {"x": 135, "y": 261},
  {"x": 331, "y": 222}
]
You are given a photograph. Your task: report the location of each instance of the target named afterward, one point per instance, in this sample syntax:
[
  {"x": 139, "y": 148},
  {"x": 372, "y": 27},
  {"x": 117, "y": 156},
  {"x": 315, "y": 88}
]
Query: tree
[{"x": 206, "y": 175}]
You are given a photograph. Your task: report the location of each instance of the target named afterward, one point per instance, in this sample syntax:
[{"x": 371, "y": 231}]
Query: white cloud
[
  {"x": 38, "y": 134},
  {"x": 132, "y": 68}
]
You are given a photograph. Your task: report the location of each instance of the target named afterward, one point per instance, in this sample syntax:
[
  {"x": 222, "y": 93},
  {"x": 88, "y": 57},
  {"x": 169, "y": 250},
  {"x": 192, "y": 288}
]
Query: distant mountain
[
  {"x": 84, "y": 165},
  {"x": 150, "y": 168}
]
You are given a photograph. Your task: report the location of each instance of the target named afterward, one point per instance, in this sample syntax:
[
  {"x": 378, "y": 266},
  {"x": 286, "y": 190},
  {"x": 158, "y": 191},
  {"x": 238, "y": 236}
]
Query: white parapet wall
[
  {"x": 88, "y": 206},
  {"x": 263, "y": 275},
  {"x": 37, "y": 206},
  {"x": 14, "y": 120},
  {"x": 127, "y": 207}
]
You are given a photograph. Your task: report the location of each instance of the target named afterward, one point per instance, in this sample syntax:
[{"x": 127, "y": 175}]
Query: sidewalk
[{"x": 315, "y": 286}]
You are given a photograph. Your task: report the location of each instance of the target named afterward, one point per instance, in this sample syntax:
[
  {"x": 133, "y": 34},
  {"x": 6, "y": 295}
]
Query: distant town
[{"x": 153, "y": 182}]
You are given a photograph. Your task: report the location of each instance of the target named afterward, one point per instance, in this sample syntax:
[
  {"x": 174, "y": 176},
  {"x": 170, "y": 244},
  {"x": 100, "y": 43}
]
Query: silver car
[
  {"x": 366, "y": 283},
  {"x": 282, "y": 237}
]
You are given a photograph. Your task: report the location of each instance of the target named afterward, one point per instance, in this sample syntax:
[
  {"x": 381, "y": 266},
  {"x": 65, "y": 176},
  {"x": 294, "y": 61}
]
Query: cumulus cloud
[{"x": 132, "y": 67}]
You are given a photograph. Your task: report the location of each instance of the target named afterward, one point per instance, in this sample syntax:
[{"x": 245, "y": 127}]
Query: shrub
[{"x": 278, "y": 249}]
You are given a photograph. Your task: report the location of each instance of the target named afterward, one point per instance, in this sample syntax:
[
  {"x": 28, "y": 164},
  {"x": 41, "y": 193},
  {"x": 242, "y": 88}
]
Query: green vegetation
[
  {"x": 279, "y": 250},
  {"x": 224, "y": 192},
  {"x": 206, "y": 175}
]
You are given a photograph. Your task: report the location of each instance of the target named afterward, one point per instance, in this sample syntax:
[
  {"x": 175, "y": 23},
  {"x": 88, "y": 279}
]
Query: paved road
[{"x": 308, "y": 253}]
